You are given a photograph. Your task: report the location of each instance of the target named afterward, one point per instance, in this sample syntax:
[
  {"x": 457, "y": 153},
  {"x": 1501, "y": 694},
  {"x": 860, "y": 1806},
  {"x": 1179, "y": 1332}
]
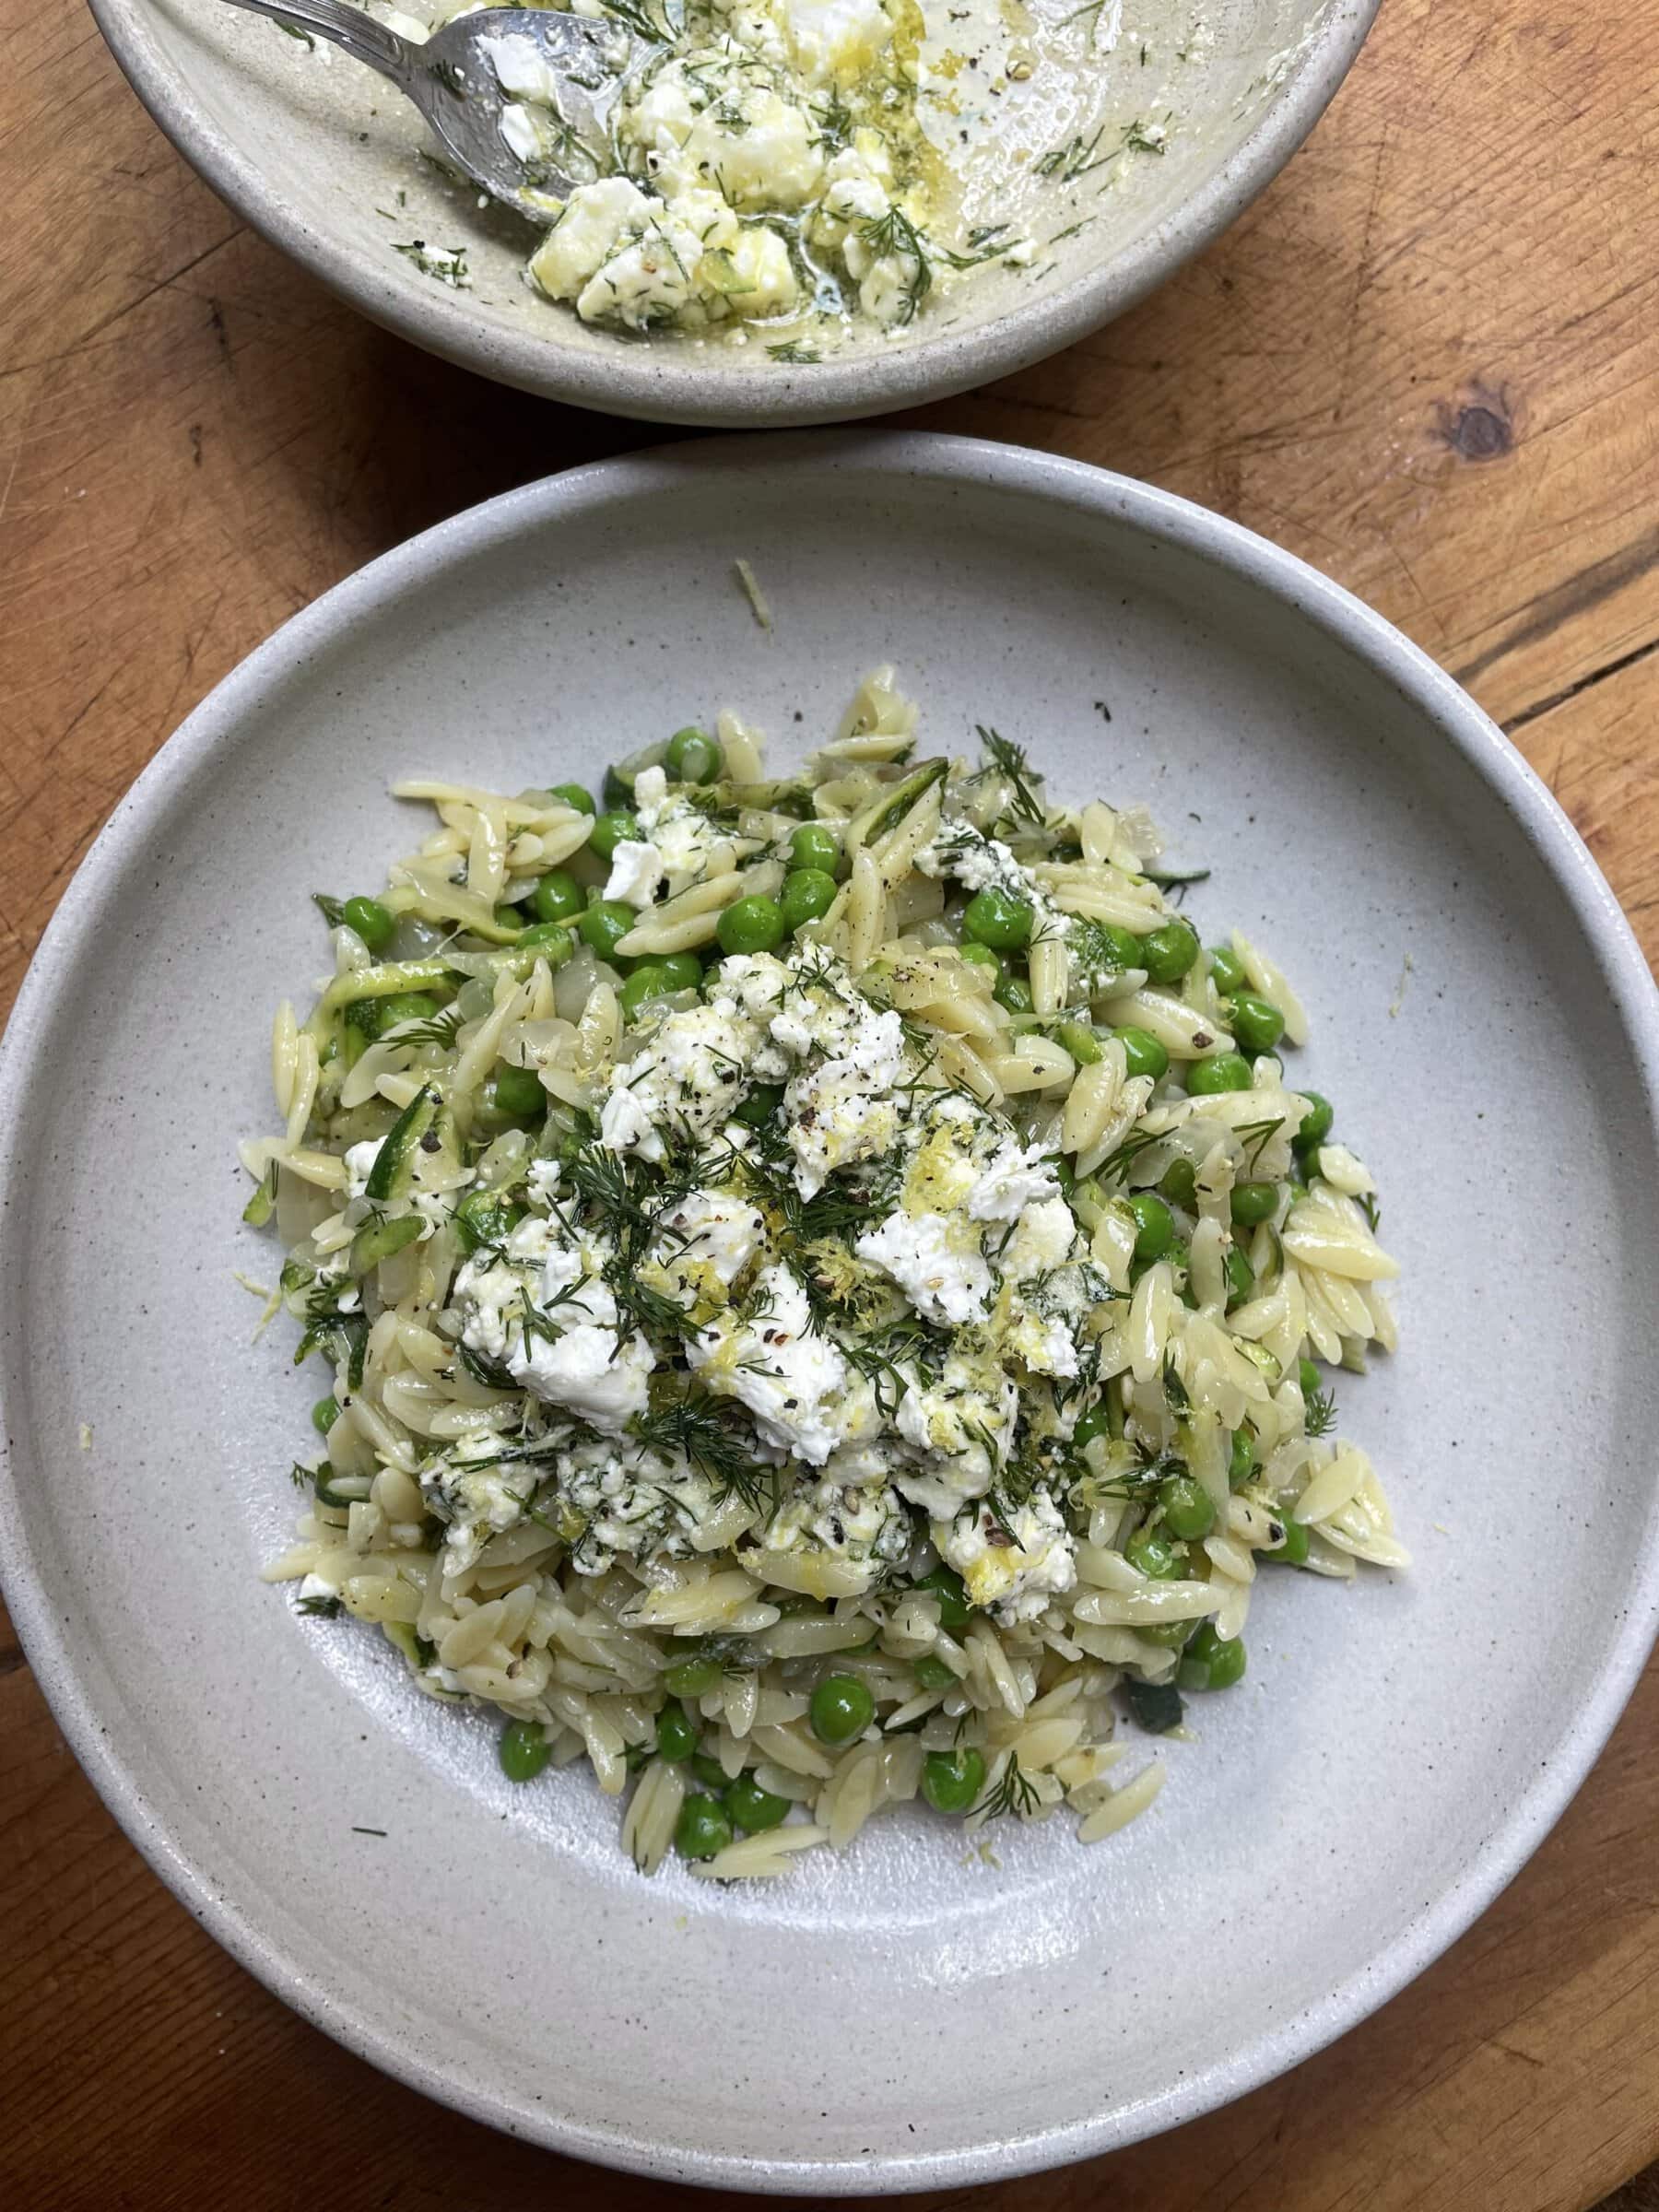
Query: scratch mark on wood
[
  {"x": 1559, "y": 699},
  {"x": 1575, "y": 596}
]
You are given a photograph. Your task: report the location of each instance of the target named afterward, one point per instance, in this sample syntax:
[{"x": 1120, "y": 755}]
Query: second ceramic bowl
[{"x": 318, "y": 154}]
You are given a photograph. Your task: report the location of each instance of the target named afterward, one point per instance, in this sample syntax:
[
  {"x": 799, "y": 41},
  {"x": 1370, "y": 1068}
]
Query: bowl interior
[
  {"x": 326, "y": 158},
  {"x": 906, "y": 2013}
]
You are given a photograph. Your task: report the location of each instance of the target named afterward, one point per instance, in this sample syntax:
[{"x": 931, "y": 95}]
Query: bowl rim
[
  {"x": 973, "y": 465},
  {"x": 654, "y": 386}
]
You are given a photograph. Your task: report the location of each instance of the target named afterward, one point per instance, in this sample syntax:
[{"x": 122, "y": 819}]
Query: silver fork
[{"x": 568, "y": 65}]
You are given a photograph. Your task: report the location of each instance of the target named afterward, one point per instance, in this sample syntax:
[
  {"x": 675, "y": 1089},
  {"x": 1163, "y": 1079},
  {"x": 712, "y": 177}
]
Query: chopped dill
[
  {"x": 1320, "y": 1416},
  {"x": 692, "y": 1429},
  {"x": 1009, "y": 761},
  {"x": 319, "y": 1608},
  {"x": 1256, "y": 1136},
  {"x": 1016, "y": 1793}
]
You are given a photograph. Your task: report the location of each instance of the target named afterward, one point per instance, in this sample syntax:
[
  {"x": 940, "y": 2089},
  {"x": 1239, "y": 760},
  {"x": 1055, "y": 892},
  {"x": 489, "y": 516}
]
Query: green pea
[
  {"x": 1189, "y": 1512},
  {"x": 486, "y": 1218},
  {"x": 1122, "y": 946},
  {"x": 558, "y": 897},
  {"x": 1155, "y": 1556},
  {"x": 807, "y": 894},
  {"x": 683, "y": 970},
  {"x": 1227, "y": 969},
  {"x": 692, "y": 1678},
  {"x": 932, "y": 1673},
  {"x": 1256, "y": 1023},
  {"x": 1143, "y": 1054},
  {"x": 1240, "y": 1277},
  {"x": 1217, "y": 1072},
  {"x": 612, "y": 829},
  {"x": 372, "y": 922},
  {"x": 951, "y": 1781},
  {"x": 1315, "y": 1124},
  {"x": 709, "y": 1770},
  {"x": 675, "y": 1733},
  {"x": 1211, "y": 1661},
  {"x": 1170, "y": 1634},
  {"x": 816, "y": 845},
  {"x": 1293, "y": 1550},
  {"x": 1253, "y": 1202},
  {"x": 1079, "y": 1041},
  {"x": 575, "y": 796},
  {"x": 841, "y": 1708},
  {"x": 692, "y": 756},
  {"x": 509, "y": 917},
  {"x": 618, "y": 789},
  {"x": 752, "y": 925},
  {"x": 1014, "y": 993},
  {"x": 1242, "y": 1459},
  {"x": 946, "y": 1585},
  {"x": 1307, "y": 1374},
  {"x": 1166, "y": 953},
  {"x": 518, "y": 1092},
  {"x": 1179, "y": 1181},
  {"x": 324, "y": 1413},
  {"x": 1154, "y": 1228},
  {"x": 646, "y": 982},
  {"x": 1097, "y": 1421},
  {"x": 524, "y": 1751},
  {"x": 703, "y": 1829},
  {"x": 604, "y": 925},
  {"x": 754, "y": 1810},
  {"x": 548, "y": 938},
  {"x": 996, "y": 918},
  {"x": 760, "y": 1105}
]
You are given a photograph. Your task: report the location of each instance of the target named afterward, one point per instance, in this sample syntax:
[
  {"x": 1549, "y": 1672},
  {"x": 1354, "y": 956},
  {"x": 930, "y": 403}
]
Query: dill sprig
[
  {"x": 319, "y": 1608},
  {"x": 894, "y": 235},
  {"x": 1015, "y": 1792},
  {"x": 692, "y": 1429},
  {"x": 1255, "y": 1135},
  {"x": 1009, "y": 761},
  {"x": 1126, "y": 1153},
  {"x": 1320, "y": 1417},
  {"x": 440, "y": 1028}
]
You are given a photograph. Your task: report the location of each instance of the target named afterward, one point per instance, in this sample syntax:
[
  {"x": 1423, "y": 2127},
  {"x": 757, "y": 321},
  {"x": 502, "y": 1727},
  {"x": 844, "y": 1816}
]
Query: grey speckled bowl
[
  {"x": 314, "y": 152},
  {"x": 1482, "y": 1018}
]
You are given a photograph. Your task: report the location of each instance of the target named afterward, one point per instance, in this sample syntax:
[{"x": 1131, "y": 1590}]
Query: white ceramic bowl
[
  {"x": 309, "y": 149},
  {"x": 896, "y": 2018}
]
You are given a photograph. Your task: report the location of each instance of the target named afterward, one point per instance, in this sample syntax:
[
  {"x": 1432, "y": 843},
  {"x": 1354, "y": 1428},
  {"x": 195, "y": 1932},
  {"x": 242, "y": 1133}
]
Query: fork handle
[{"x": 359, "y": 34}]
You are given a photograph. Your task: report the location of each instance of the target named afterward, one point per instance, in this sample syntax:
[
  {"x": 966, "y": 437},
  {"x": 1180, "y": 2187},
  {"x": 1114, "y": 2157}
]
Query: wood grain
[{"x": 1426, "y": 359}]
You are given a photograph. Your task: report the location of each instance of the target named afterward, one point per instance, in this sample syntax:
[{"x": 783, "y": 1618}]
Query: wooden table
[{"x": 1428, "y": 361}]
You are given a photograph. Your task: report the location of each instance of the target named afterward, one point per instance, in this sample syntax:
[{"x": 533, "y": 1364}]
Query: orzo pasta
[{"x": 824, "y": 1278}]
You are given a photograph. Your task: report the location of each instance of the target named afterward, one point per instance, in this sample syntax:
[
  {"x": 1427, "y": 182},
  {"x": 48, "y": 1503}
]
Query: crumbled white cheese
[
  {"x": 1015, "y": 1176},
  {"x": 949, "y": 1419},
  {"x": 804, "y": 1395},
  {"x": 941, "y": 1270},
  {"x": 702, "y": 1243},
  {"x": 359, "y": 1161},
  {"x": 541, "y": 1311},
  {"x": 1012, "y": 1559},
  {"x": 690, "y": 1071},
  {"x": 636, "y": 872},
  {"x": 861, "y": 1525}
]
